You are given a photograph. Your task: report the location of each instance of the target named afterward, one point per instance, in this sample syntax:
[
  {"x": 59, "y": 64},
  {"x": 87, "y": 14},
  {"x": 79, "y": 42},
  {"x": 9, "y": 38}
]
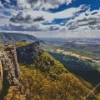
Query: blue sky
[
  {"x": 94, "y": 5},
  {"x": 45, "y": 16}
]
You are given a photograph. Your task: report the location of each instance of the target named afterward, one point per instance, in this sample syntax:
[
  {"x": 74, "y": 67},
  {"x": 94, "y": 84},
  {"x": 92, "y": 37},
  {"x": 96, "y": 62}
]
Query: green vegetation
[
  {"x": 48, "y": 79},
  {"x": 1, "y": 45},
  {"x": 98, "y": 97},
  {"x": 46, "y": 63},
  {"x": 74, "y": 63},
  {"x": 84, "y": 50},
  {"x": 19, "y": 44},
  {"x": 85, "y": 69},
  {"x": 92, "y": 51},
  {"x": 38, "y": 86}
]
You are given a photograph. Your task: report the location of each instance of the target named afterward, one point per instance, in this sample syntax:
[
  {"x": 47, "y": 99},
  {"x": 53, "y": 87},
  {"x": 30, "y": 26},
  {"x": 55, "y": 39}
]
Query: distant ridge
[{"x": 16, "y": 37}]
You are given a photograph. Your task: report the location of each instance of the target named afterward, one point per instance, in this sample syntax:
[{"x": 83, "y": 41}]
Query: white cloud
[
  {"x": 39, "y": 4},
  {"x": 4, "y": 21},
  {"x": 27, "y": 20},
  {"x": 89, "y": 20},
  {"x": 19, "y": 22},
  {"x": 23, "y": 4},
  {"x": 5, "y": 24},
  {"x": 68, "y": 34},
  {"x": 8, "y": 1},
  {"x": 46, "y": 15},
  {"x": 1, "y": 6}
]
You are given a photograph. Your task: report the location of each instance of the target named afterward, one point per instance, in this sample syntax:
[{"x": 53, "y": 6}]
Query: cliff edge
[{"x": 9, "y": 73}]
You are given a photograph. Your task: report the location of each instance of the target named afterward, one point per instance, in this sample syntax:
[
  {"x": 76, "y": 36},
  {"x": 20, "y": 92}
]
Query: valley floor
[{"x": 76, "y": 55}]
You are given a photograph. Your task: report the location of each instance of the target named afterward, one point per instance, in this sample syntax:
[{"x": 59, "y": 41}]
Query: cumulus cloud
[
  {"x": 8, "y": 1},
  {"x": 19, "y": 27},
  {"x": 30, "y": 20},
  {"x": 87, "y": 20},
  {"x": 38, "y": 19},
  {"x": 39, "y": 4},
  {"x": 22, "y": 17},
  {"x": 30, "y": 16},
  {"x": 27, "y": 27},
  {"x": 33, "y": 20},
  {"x": 1, "y": 5}
]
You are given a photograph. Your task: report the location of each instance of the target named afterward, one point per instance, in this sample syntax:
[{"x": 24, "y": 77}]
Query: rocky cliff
[
  {"x": 10, "y": 86},
  {"x": 28, "y": 53},
  {"x": 1, "y": 77},
  {"x": 9, "y": 73},
  {"x": 45, "y": 79}
]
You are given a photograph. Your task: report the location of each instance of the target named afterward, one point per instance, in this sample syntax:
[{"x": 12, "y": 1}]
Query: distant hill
[{"x": 16, "y": 37}]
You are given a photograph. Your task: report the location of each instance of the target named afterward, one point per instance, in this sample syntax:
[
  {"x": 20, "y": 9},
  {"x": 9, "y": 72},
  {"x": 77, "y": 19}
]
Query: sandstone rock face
[
  {"x": 10, "y": 68},
  {"x": 27, "y": 54},
  {"x": 1, "y": 77},
  {"x": 10, "y": 64},
  {"x": 12, "y": 55}
]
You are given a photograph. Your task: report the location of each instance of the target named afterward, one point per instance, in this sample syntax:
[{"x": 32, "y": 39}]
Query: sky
[{"x": 51, "y": 18}]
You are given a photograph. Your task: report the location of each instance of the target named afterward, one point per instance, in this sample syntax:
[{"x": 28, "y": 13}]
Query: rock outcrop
[
  {"x": 10, "y": 64},
  {"x": 27, "y": 54},
  {"x": 11, "y": 70},
  {"x": 1, "y": 77}
]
